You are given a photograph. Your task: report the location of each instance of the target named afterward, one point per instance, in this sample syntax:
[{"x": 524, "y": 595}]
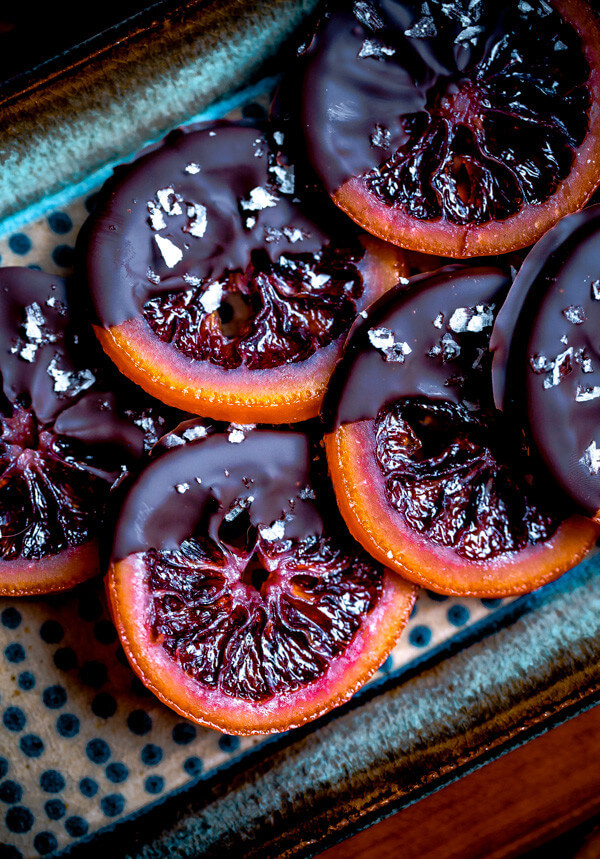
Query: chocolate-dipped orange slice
[
  {"x": 239, "y": 597},
  {"x": 546, "y": 367},
  {"x": 64, "y": 440},
  {"x": 429, "y": 477},
  {"x": 456, "y": 128},
  {"x": 216, "y": 289}
]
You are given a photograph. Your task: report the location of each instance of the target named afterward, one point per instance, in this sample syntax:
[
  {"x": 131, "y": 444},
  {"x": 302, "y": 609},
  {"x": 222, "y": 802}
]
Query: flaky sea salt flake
[
  {"x": 170, "y": 252},
  {"x": 591, "y": 459},
  {"x": 575, "y": 314},
  {"x": 260, "y": 198}
]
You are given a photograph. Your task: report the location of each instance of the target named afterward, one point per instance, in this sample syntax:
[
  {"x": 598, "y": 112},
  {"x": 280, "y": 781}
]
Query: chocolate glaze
[
  {"x": 390, "y": 73},
  {"x": 167, "y": 504},
  {"x": 444, "y": 363},
  {"x": 233, "y": 195},
  {"x": 546, "y": 365},
  {"x": 35, "y": 324}
]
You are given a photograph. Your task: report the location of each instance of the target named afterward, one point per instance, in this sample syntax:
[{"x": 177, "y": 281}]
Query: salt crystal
[
  {"x": 152, "y": 276},
  {"x": 182, "y": 487},
  {"x": 192, "y": 168},
  {"x": 561, "y": 367},
  {"x": 448, "y": 348},
  {"x": 55, "y": 304},
  {"x": 472, "y": 319},
  {"x": 367, "y": 15},
  {"x": 195, "y": 432},
  {"x": 169, "y": 201},
  {"x": 523, "y": 6},
  {"x": 34, "y": 322},
  {"x": 294, "y": 234},
  {"x": 284, "y": 177},
  {"x": 559, "y": 46},
  {"x": 596, "y": 290},
  {"x": 67, "y": 381},
  {"x": 591, "y": 459},
  {"x": 584, "y": 362},
  {"x": 275, "y": 532},
  {"x": 469, "y": 34},
  {"x": 384, "y": 340},
  {"x": 260, "y": 198},
  {"x": 585, "y": 394},
  {"x": 575, "y": 314},
  {"x": 540, "y": 364},
  {"x": 27, "y": 352},
  {"x": 157, "y": 219},
  {"x": 170, "y": 252},
  {"x": 424, "y": 28},
  {"x": 198, "y": 221},
  {"x": 439, "y": 320},
  {"x": 236, "y": 436},
  {"x": 212, "y": 297},
  {"x": 363, "y": 313},
  {"x": 317, "y": 281},
  {"x": 250, "y": 222},
  {"x": 192, "y": 279},
  {"x": 240, "y": 505},
  {"x": 307, "y": 494},
  {"x": 380, "y": 137},
  {"x": 278, "y": 137},
  {"x": 375, "y": 48}
]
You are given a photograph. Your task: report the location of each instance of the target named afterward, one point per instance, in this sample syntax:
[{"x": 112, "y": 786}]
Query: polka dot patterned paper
[{"x": 82, "y": 742}]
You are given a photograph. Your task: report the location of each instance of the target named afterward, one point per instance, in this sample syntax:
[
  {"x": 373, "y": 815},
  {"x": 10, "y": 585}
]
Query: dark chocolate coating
[
  {"x": 203, "y": 227},
  {"x": 168, "y": 505},
  {"x": 444, "y": 363},
  {"x": 381, "y": 74},
  {"x": 546, "y": 365},
  {"x": 35, "y": 324}
]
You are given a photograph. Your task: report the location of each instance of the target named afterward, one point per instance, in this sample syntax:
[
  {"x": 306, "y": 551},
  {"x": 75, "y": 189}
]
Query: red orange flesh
[{"x": 51, "y": 574}]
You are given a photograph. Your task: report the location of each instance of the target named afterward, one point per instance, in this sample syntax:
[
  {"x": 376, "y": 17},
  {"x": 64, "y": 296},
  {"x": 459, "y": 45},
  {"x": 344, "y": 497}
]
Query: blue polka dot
[
  {"x": 63, "y": 255},
  {"x": 65, "y": 659},
  {"x": 387, "y": 665},
  {"x": 67, "y": 725},
  {"x": 55, "y": 809},
  {"x": 51, "y": 781},
  {"x": 105, "y": 632},
  {"x": 3, "y": 767},
  {"x": 193, "y": 766},
  {"x": 117, "y": 773},
  {"x": 93, "y": 674},
  {"x": 31, "y": 745},
  {"x": 10, "y": 792},
  {"x": 436, "y": 597},
  {"x": 88, "y": 787},
  {"x": 76, "y": 826},
  {"x": 54, "y": 697},
  {"x": 20, "y": 244},
  {"x": 14, "y": 652},
  {"x": 98, "y": 751},
  {"x": 229, "y": 744},
  {"x": 89, "y": 608},
  {"x": 112, "y": 804},
  {"x": 491, "y": 603},
  {"x": 151, "y": 755},
  {"x": 60, "y": 222},
  {"x": 10, "y": 617},
  {"x": 26, "y": 681},
  {"x": 419, "y": 636},
  {"x": 139, "y": 722},
  {"x": 45, "y": 842},
  {"x": 51, "y": 631},
  {"x": 19, "y": 819},
  {"x": 104, "y": 705},
  {"x": 154, "y": 784},
  {"x": 184, "y": 733},
  {"x": 14, "y": 719},
  {"x": 11, "y": 852},
  {"x": 458, "y": 615}
]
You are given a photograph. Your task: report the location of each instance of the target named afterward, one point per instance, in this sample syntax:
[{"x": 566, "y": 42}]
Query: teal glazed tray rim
[{"x": 509, "y": 676}]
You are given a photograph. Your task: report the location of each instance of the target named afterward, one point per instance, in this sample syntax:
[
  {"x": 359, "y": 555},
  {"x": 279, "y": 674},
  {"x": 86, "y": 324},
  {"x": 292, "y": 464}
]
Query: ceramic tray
[{"x": 90, "y": 763}]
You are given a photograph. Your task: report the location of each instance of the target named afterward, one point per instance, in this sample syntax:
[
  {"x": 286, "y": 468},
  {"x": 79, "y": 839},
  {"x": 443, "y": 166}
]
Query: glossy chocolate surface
[
  {"x": 196, "y": 207},
  {"x": 223, "y": 487},
  {"x": 438, "y": 105},
  {"x": 428, "y": 339},
  {"x": 546, "y": 365}
]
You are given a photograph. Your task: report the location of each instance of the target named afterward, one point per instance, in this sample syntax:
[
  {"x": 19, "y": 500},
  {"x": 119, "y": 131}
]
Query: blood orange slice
[
  {"x": 428, "y": 476},
  {"x": 216, "y": 289},
  {"x": 240, "y": 600},
  {"x": 459, "y": 129}
]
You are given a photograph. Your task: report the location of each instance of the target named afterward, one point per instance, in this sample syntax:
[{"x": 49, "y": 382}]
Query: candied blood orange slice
[
  {"x": 429, "y": 477},
  {"x": 63, "y": 440},
  {"x": 546, "y": 366},
  {"x": 459, "y": 129},
  {"x": 216, "y": 289},
  {"x": 237, "y": 602}
]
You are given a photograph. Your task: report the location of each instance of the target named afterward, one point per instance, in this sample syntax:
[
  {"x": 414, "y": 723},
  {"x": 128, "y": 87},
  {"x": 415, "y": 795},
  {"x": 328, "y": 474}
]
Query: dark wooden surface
[{"x": 541, "y": 800}]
